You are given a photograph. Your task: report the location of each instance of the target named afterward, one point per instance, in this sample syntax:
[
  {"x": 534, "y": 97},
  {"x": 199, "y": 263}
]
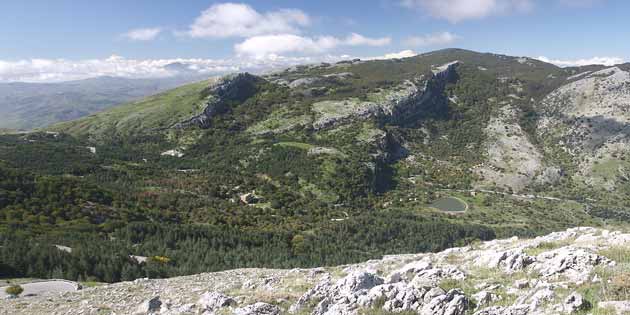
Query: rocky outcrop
[
  {"x": 512, "y": 160},
  {"x": 237, "y": 88},
  {"x": 589, "y": 119},
  {"x": 570, "y": 263},
  {"x": 415, "y": 287},
  {"x": 413, "y": 98},
  {"x": 501, "y": 277}
]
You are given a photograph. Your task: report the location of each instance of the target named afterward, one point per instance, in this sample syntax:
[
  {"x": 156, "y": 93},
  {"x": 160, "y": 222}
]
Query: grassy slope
[{"x": 155, "y": 112}]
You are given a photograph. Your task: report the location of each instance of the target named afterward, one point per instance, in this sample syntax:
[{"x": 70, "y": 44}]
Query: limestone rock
[
  {"x": 574, "y": 303},
  {"x": 258, "y": 309},
  {"x": 454, "y": 302},
  {"x": 619, "y": 307},
  {"x": 485, "y": 297},
  {"x": 358, "y": 281},
  {"x": 572, "y": 263},
  {"x": 150, "y": 306},
  {"x": 211, "y": 301},
  {"x": 500, "y": 310}
]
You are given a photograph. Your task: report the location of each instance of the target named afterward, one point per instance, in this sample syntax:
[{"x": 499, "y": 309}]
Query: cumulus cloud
[
  {"x": 359, "y": 40},
  {"x": 59, "y": 70},
  {"x": 606, "y": 61},
  {"x": 460, "y": 10},
  {"x": 436, "y": 39},
  {"x": 143, "y": 34},
  {"x": 56, "y": 70},
  {"x": 241, "y": 20},
  {"x": 269, "y": 45},
  {"x": 397, "y": 55}
]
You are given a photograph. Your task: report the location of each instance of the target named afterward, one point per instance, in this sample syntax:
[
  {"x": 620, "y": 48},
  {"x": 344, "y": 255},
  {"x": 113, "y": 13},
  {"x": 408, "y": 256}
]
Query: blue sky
[{"x": 44, "y": 40}]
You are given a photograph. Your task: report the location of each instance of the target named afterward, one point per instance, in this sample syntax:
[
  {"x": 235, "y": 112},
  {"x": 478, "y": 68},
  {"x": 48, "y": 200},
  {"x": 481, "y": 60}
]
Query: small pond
[{"x": 450, "y": 204}]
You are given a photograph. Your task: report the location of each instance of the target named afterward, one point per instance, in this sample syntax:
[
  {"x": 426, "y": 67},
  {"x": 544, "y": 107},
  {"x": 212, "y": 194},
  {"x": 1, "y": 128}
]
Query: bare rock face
[
  {"x": 589, "y": 118},
  {"x": 500, "y": 277},
  {"x": 237, "y": 87}
]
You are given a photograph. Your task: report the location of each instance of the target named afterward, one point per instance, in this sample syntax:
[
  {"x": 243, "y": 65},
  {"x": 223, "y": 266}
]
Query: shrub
[
  {"x": 620, "y": 286},
  {"x": 14, "y": 290}
]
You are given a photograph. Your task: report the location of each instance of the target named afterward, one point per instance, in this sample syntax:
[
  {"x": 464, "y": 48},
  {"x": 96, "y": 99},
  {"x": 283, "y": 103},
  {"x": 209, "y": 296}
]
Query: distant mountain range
[{"x": 27, "y": 106}]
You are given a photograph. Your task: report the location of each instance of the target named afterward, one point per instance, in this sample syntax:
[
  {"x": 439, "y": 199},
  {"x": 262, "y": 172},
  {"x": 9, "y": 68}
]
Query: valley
[{"x": 318, "y": 165}]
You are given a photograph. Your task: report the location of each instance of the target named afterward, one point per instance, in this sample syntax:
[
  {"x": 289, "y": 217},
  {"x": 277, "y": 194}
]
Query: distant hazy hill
[{"x": 34, "y": 105}]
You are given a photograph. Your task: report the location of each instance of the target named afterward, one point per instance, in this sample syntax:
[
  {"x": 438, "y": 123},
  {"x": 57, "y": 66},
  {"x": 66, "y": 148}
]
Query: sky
[{"x": 51, "y": 41}]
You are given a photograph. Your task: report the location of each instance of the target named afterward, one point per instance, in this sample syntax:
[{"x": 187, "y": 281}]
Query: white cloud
[
  {"x": 607, "y": 61},
  {"x": 143, "y": 34},
  {"x": 269, "y": 45},
  {"x": 241, "y": 20},
  {"x": 460, "y": 10},
  {"x": 397, "y": 55},
  {"x": 58, "y": 70},
  {"x": 436, "y": 39},
  {"x": 359, "y": 40}
]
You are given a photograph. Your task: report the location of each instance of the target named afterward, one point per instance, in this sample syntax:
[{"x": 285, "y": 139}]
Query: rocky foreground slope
[{"x": 578, "y": 271}]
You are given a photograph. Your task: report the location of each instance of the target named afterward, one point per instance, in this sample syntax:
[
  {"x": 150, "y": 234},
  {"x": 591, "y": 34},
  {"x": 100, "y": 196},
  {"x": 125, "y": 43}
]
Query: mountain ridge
[{"x": 321, "y": 164}]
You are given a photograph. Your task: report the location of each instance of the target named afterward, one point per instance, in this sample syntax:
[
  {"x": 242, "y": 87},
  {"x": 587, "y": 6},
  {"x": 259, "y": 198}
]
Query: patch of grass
[
  {"x": 91, "y": 284},
  {"x": 619, "y": 254},
  {"x": 158, "y": 111},
  {"x": 614, "y": 284},
  {"x": 547, "y": 246},
  {"x": 298, "y": 145}
]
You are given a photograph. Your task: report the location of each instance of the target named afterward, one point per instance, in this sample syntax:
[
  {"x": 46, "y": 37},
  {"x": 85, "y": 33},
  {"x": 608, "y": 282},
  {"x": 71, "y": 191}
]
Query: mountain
[
  {"x": 577, "y": 271},
  {"x": 319, "y": 165},
  {"x": 27, "y": 106}
]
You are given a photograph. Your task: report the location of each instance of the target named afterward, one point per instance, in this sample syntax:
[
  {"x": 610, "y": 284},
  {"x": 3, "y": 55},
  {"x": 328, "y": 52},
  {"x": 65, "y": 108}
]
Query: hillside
[
  {"x": 578, "y": 271},
  {"x": 28, "y": 106},
  {"x": 319, "y": 165}
]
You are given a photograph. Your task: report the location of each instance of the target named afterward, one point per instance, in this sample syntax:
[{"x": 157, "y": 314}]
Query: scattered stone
[
  {"x": 452, "y": 303},
  {"x": 574, "y": 303},
  {"x": 575, "y": 264},
  {"x": 211, "y": 301},
  {"x": 174, "y": 153},
  {"x": 258, "y": 309},
  {"x": 485, "y": 297},
  {"x": 521, "y": 284},
  {"x": 151, "y": 306},
  {"x": 500, "y": 310},
  {"x": 250, "y": 198},
  {"x": 619, "y": 307}
]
